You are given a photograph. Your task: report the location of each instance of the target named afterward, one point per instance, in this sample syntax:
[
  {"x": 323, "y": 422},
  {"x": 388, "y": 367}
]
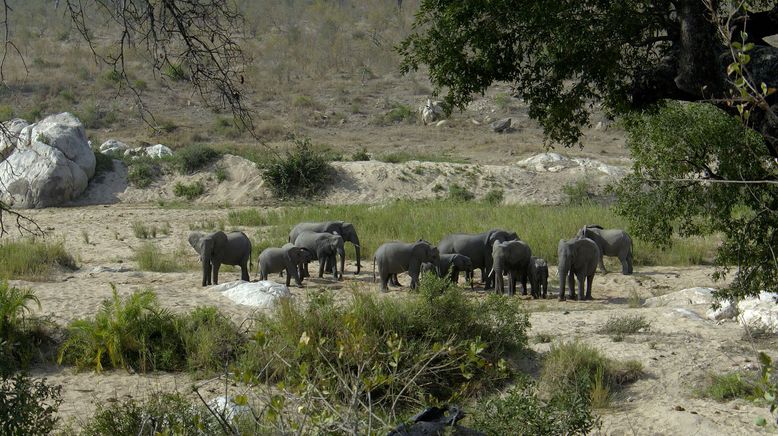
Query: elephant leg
[
  {"x": 395, "y": 281},
  {"x": 384, "y": 282},
  {"x": 581, "y": 283},
  {"x": 322, "y": 265},
  {"x": 206, "y": 273},
  {"x": 511, "y": 283},
  {"x": 589, "y": 280},
  {"x": 244, "y": 272},
  {"x": 629, "y": 263},
  {"x": 571, "y": 285},
  {"x": 602, "y": 264},
  {"x": 216, "y": 267}
]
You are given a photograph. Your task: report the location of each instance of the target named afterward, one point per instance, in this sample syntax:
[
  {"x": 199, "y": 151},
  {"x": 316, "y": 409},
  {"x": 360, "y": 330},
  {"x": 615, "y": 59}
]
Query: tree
[{"x": 631, "y": 57}]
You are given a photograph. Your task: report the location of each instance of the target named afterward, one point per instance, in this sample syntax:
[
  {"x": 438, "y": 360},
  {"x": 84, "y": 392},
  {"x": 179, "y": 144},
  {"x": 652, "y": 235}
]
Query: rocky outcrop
[
  {"x": 158, "y": 151},
  {"x": 46, "y": 163},
  {"x": 113, "y": 146},
  {"x": 501, "y": 126}
]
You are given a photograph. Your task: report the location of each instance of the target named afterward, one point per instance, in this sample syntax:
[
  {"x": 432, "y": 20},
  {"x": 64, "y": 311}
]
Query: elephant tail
[{"x": 373, "y": 269}]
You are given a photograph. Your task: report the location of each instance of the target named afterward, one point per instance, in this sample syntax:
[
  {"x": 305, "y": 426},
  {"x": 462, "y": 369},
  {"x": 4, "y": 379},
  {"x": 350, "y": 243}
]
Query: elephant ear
[
  {"x": 194, "y": 240},
  {"x": 295, "y": 254}
]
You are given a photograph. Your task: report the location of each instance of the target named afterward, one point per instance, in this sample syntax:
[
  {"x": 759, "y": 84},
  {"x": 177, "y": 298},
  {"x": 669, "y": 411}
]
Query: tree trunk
[{"x": 699, "y": 69}]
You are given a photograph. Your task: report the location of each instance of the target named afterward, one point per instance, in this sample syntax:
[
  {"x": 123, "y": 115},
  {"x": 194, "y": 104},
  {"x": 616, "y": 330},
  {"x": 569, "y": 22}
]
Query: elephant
[
  {"x": 219, "y": 248},
  {"x": 578, "y": 259},
  {"x": 392, "y": 258},
  {"x": 323, "y": 247},
  {"x": 288, "y": 259},
  {"x": 513, "y": 257},
  {"x": 307, "y": 256},
  {"x": 612, "y": 242},
  {"x": 538, "y": 277},
  {"x": 344, "y": 229},
  {"x": 451, "y": 264},
  {"x": 478, "y": 247}
]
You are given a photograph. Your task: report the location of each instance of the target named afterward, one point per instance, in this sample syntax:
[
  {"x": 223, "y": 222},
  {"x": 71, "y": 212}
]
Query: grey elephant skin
[
  {"x": 393, "y": 258},
  {"x": 325, "y": 247},
  {"x": 478, "y": 247},
  {"x": 450, "y": 265},
  {"x": 612, "y": 242},
  {"x": 219, "y": 248},
  {"x": 345, "y": 229},
  {"x": 289, "y": 259},
  {"x": 577, "y": 260},
  {"x": 512, "y": 257},
  {"x": 306, "y": 257},
  {"x": 538, "y": 277}
]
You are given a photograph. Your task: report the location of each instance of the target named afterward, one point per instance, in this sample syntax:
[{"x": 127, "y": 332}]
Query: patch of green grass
[
  {"x": 729, "y": 386},
  {"x": 494, "y": 197},
  {"x": 6, "y": 112},
  {"x": 221, "y": 174},
  {"x": 95, "y": 117},
  {"x": 210, "y": 225},
  {"x": 306, "y": 102},
  {"x": 190, "y": 191},
  {"x": 142, "y": 173},
  {"x": 33, "y": 259},
  {"x": 625, "y": 325},
  {"x": 578, "y": 192},
  {"x": 360, "y": 155},
  {"x": 302, "y": 172},
  {"x": 141, "y": 231},
  {"x": 151, "y": 258},
  {"x": 176, "y": 72},
  {"x": 404, "y": 156},
  {"x": 399, "y": 113},
  {"x": 503, "y": 101},
  {"x": 190, "y": 159},
  {"x": 540, "y": 226},
  {"x": 459, "y": 193}
]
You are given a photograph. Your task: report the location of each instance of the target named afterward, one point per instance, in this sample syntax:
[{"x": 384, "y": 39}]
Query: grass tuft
[
  {"x": 33, "y": 259},
  {"x": 625, "y": 325},
  {"x": 729, "y": 386},
  {"x": 151, "y": 258},
  {"x": 190, "y": 191}
]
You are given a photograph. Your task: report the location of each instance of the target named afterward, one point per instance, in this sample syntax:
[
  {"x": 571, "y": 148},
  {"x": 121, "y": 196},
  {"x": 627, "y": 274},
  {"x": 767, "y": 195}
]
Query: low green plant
[
  {"x": 578, "y": 192},
  {"x": 543, "y": 338},
  {"x": 625, "y": 325},
  {"x": 306, "y": 102},
  {"x": 729, "y": 386},
  {"x": 211, "y": 340},
  {"x": 151, "y": 258},
  {"x": 768, "y": 387},
  {"x": 502, "y": 101},
  {"x": 457, "y": 192},
  {"x": 190, "y": 191},
  {"x": 33, "y": 259},
  {"x": 494, "y": 196},
  {"x": 28, "y": 406},
  {"x": 23, "y": 337},
  {"x": 141, "y": 174},
  {"x": 103, "y": 164},
  {"x": 221, "y": 174},
  {"x": 95, "y": 117},
  {"x": 522, "y": 410},
  {"x": 301, "y": 172},
  {"x": 6, "y": 112},
  {"x": 192, "y": 158},
  {"x": 360, "y": 155},
  {"x": 211, "y": 225},
  {"x": 634, "y": 301},
  {"x": 404, "y": 156},
  {"x": 176, "y": 72},
  {"x": 141, "y": 231},
  {"x": 400, "y": 113}
]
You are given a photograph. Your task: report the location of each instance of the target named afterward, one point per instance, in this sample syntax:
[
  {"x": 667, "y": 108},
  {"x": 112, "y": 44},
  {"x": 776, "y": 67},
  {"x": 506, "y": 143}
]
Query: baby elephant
[
  {"x": 451, "y": 264},
  {"x": 538, "y": 277},
  {"x": 289, "y": 259}
]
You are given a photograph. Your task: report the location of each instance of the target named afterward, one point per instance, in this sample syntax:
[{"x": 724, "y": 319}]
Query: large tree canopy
[{"x": 697, "y": 169}]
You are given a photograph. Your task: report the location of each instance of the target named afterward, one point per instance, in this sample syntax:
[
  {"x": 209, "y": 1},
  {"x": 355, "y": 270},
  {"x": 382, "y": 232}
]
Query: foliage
[
  {"x": 437, "y": 344},
  {"x": 768, "y": 386},
  {"x": 189, "y": 191},
  {"x": 28, "y": 406},
  {"x": 142, "y": 173},
  {"x": 210, "y": 340},
  {"x": 399, "y": 113},
  {"x": 141, "y": 231},
  {"x": 521, "y": 411},
  {"x": 301, "y": 172},
  {"x": 22, "y": 337},
  {"x": 176, "y": 72},
  {"x": 675, "y": 151},
  {"x": 625, "y": 325},
  {"x": 192, "y": 158},
  {"x": 103, "y": 163},
  {"x": 404, "y": 156},
  {"x": 166, "y": 413},
  {"x": 151, "y": 258},
  {"x": 725, "y": 387},
  {"x": 457, "y": 192},
  {"x": 33, "y": 259},
  {"x": 576, "y": 367},
  {"x": 360, "y": 155},
  {"x": 494, "y": 197},
  {"x": 578, "y": 192}
]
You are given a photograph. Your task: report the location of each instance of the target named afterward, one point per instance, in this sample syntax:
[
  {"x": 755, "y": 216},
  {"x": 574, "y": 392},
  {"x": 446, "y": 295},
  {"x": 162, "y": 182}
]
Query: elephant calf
[
  {"x": 513, "y": 257},
  {"x": 611, "y": 242},
  {"x": 451, "y": 265},
  {"x": 577, "y": 260},
  {"x": 393, "y": 258},
  {"x": 219, "y": 248},
  {"x": 287, "y": 258},
  {"x": 538, "y": 277},
  {"x": 325, "y": 247}
]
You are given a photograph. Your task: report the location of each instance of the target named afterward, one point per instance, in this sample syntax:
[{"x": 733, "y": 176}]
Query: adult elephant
[
  {"x": 478, "y": 247},
  {"x": 325, "y": 248},
  {"x": 512, "y": 257},
  {"x": 287, "y": 258},
  {"x": 219, "y": 248},
  {"x": 612, "y": 242},
  {"x": 577, "y": 260},
  {"x": 393, "y": 258},
  {"x": 344, "y": 229}
]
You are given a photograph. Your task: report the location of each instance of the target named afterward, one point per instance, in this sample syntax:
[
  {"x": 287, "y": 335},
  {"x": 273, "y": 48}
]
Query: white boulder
[
  {"x": 113, "y": 146},
  {"x": 50, "y": 162},
  {"x": 227, "y": 408},
  {"x": 262, "y": 294},
  {"x": 9, "y": 141},
  {"x": 431, "y": 111},
  {"x": 684, "y": 297},
  {"x": 726, "y": 310},
  {"x": 760, "y": 314},
  {"x": 137, "y": 151},
  {"x": 158, "y": 151}
]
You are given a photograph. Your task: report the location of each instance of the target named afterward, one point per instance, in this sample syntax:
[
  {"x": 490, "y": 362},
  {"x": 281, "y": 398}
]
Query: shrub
[
  {"x": 400, "y": 113},
  {"x": 725, "y": 387},
  {"x": 360, "y": 155},
  {"x": 94, "y": 117},
  {"x": 573, "y": 366},
  {"x": 176, "y": 72},
  {"x": 28, "y": 406},
  {"x": 578, "y": 192},
  {"x": 6, "y": 112},
  {"x": 221, "y": 174},
  {"x": 188, "y": 160},
  {"x": 495, "y": 196},
  {"x": 22, "y": 337},
  {"x": 459, "y": 193},
  {"x": 189, "y": 191},
  {"x": 302, "y": 172},
  {"x": 211, "y": 340},
  {"x": 151, "y": 258},
  {"x": 142, "y": 232},
  {"x": 103, "y": 164},
  {"x": 33, "y": 259},
  {"x": 522, "y": 411},
  {"x": 141, "y": 174},
  {"x": 436, "y": 344},
  {"x": 625, "y": 325}
]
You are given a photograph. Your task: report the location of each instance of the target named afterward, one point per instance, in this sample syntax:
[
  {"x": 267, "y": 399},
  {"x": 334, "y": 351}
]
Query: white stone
[
  {"x": 262, "y": 294},
  {"x": 65, "y": 133},
  {"x": 684, "y": 297},
  {"x": 726, "y": 310},
  {"x": 686, "y": 313},
  {"x": 441, "y": 123},
  {"x": 14, "y": 128},
  {"x": 226, "y": 407},
  {"x": 431, "y": 111},
  {"x": 113, "y": 146},
  {"x": 759, "y": 314},
  {"x": 158, "y": 151}
]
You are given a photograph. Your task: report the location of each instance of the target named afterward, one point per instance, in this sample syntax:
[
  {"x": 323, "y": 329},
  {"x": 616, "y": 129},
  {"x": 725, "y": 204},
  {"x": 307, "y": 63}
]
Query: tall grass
[
  {"x": 151, "y": 258},
  {"x": 33, "y": 259},
  {"x": 540, "y": 226}
]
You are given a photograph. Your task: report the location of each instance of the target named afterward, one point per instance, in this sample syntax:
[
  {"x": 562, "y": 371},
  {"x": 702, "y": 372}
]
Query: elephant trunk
[
  {"x": 342, "y": 253},
  {"x": 358, "y": 252}
]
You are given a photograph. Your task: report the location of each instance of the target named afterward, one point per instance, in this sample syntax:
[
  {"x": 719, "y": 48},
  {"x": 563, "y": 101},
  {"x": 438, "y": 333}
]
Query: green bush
[
  {"x": 400, "y": 113},
  {"x": 189, "y": 191},
  {"x": 729, "y": 386},
  {"x": 459, "y": 193},
  {"x": 522, "y": 411},
  {"x": 301, "y": 172},
  {"x": 23, "y": 338},
  {"x": 360, "y": 156},
  {"x": 176, "y": 72},
  {"x": 436, "y": 344},
  {"x": 94, "y": 117},
  {"x": 578, "y": 192},
  {"x": 192, "y": 158},
  {"x": 404, "y": 156},
  {"x": 33, "y": 259},
  {"x": 103, "y": 164},
  {"x": 6, "y": 112},
  {"x": 141, "y": 231},
  {"x": 28, "y": 406},
  {"x": 211, "y": 340},
  {"x": 142, "y": 173},
  {"x": 625, "y": 325},
  {"x": 494, "y": 197}
]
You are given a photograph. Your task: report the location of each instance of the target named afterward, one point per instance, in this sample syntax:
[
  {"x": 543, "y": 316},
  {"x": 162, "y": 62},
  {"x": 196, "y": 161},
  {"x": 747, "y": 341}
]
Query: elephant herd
[{"x": 497, "y": 253}]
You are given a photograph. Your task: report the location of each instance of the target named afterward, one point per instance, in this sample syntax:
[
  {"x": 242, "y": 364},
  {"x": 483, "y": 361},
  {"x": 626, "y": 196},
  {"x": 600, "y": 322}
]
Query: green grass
[
  {"x": 189, "y": 191},
  {"x": 404, "y": 156},
  {"x": 540, "y": 226},
  {"x": 141, "y": 231},
  {"x": 141, "y": 173},
  {"x": 33, "y": 259},
  {"x": 190, "y": 159},
  {"x": 625, "y": 325},
  {"x": 729, "y": 386},
  {"x": 151, "y": 258}
]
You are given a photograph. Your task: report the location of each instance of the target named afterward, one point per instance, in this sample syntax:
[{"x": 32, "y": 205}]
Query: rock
[
  {"x": 158, "y": 151},
  {"x": 227, "y": 408},
  {"x": 113, "y": 146},
  {"x": 10, "y": 141},
  {"x": 137, "y": 151},
  {"x": 501, "y": 125},
  {"x": 49, "y": 163},
  {"x": 759, "y": 314},
  {"x": 685, "y": 297},
  {"x": 727, "y": 310},
  {"x": 476, "y": 122},
  {"x": 431, "y": 111},
  {"x": 441, "y": 123},
  {"x": 685, "y": 313},
  {"x": 262, "y": 294}
]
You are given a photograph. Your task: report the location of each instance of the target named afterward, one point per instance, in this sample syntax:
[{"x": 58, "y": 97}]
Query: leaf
[
  {"x": 240, "y": 400},
  {"x": 761, "y": 422},
  {"x": 748, "y": 46}
]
